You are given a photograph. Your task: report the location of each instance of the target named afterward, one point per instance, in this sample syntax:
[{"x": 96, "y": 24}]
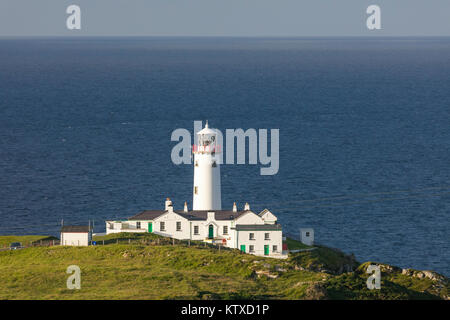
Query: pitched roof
[
  {"x": 148, "y": 215},
  {"x": 190, "y": 215},
  {"x": 257, "y": 227},
  {"x": 77, "y": 229},
  {"x": 219, "y": 214}
]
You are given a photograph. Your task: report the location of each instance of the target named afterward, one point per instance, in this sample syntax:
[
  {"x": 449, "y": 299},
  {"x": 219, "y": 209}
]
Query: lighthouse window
[
  {"x": 225, "y": 229},
  {"x": 196, "y": 163},
  {"x": 195, "y": 190},
  {"x": 195, "y": 229},
  {"x": 214, "y": 164},
  {"x": 162, "y": 226},
  {"x": 178, "y": 226},
  {"x": 307, "y": 234}
]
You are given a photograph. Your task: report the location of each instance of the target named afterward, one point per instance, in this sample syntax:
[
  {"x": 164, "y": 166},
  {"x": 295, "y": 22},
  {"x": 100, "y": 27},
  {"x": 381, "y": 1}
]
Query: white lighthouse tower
[{"x": 207, "y": 194}]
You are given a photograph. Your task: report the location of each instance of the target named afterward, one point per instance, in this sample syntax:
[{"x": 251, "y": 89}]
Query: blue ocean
[{"x": 86, "y": 123}]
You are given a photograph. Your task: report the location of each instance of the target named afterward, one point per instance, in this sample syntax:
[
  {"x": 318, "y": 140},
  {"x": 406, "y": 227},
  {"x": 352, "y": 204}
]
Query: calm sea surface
[{"x": 85, "y": 129}]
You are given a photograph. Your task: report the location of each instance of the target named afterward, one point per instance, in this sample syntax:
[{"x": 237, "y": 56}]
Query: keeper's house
[
  {"x": 258, "y": 234},
  {"x": 75, "y": 235}
]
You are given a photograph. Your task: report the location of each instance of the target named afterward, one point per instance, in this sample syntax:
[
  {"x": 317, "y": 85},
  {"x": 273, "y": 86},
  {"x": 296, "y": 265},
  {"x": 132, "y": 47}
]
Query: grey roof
[
  {"x": 77, "y": 229},
  {"x": 148, "y": 215},
  {"x": 257, "y": 227},
  {"x": 219, "y": 214},
  {"x": 190, "y": 215}
]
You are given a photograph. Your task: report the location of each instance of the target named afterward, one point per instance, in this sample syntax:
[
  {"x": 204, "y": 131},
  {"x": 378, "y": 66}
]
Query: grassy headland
[{"x": 147, "y": 269}]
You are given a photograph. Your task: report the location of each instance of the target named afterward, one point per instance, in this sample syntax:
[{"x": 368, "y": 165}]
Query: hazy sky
[{"x": 225, "y": 17}]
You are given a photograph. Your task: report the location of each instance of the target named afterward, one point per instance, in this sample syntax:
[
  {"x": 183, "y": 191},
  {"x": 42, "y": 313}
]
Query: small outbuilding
[
  {"x": 307, "y": 236},
  {"x": 76, "y": 235}
]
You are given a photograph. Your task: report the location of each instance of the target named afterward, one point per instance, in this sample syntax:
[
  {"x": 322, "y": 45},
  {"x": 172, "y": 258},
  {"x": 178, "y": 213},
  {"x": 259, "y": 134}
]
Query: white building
[
  {"x": 75, "y": 235},
  {"x": 307, "y": 236},
  {"x": 258, "y": 234},
  {"x": 206, "y": 193}
]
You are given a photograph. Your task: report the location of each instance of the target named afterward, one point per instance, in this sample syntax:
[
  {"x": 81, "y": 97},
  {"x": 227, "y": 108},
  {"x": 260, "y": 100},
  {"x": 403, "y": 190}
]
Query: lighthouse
[{"x": 206, "y": 193}]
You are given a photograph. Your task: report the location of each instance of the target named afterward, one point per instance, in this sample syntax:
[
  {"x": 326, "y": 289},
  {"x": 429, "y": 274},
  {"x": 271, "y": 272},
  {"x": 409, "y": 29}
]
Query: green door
[
  {"x": 243, "y": 247},
  {"x": 211, "y": 231},
  {"x": 150, "y": 227},
  {"x": 266, "y": 249}
]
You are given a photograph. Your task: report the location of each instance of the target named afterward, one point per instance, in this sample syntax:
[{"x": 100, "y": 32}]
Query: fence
[{"x": 30, "y": 244}]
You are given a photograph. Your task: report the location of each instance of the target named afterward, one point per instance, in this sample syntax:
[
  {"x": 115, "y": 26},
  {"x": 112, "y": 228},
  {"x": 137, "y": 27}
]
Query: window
[
  {"x": 196, "y": 190},
  {"x": 162, "y": 226},
  {"x": 225, "y": 229},
  {"x": 307, "y": 234},
  {"x": 196, "y": 230},
  {"x": 196, "y": 163},
  {"x": 266, "y": 236},
  {"x": 138, "y": 225},
  {"x": 274, "y": 248},
  {"x": 214, "y": 164},
  {"x": 178, "y": 226},
  {"x": 251, "y": 236},
  {"x": 252, "y": 248}
]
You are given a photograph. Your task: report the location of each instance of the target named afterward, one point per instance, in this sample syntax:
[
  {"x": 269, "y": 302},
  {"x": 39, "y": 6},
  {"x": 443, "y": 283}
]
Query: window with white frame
[
  {"x": 162, "y": 226},
  {"x": 196, "y": 230},
  {"x": 251, "y": 236},
  {"x": 251, "y": 248},
  {"x": 225, "y": 229},
  {"x": 274, "y": 248},
  {"x": 266, "y": 236},
  {"x": 138, "y": 225},
  {"x": 178, "y": 225}
]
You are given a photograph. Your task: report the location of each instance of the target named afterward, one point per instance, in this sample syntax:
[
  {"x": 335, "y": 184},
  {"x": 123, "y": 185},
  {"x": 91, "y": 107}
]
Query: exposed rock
[
  {"x": 407, "y": 272},
  {"x": 280, "y": 269},
  {"x": 424, "y": 274},
  {"x": 434, "y": 276},
  {"x": 316, "y": 291},
  {"x": 210, "y": 296},
  {"x": 261, "y": 273}
]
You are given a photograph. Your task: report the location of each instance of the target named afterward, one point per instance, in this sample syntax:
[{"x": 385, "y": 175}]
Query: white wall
[
  {"x": 126, "y": 226},
  {"x": 170, "y": 220},
  {"x": 269, "y": 217},
  {"x": 207, "y": 181},
  {"x": 249, "y": 218},
  {"x": 305, "y": 238},
  {"x": 75, "y": 238},
  {"x": 243, "y": 238}
]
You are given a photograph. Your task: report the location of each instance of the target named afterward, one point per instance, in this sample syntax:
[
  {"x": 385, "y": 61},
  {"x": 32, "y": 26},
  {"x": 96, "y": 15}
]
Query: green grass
[
  {"x": 296, "y": 245},
  {"x": 25, "y": 240},
  {"x": 145, "y": 270}
]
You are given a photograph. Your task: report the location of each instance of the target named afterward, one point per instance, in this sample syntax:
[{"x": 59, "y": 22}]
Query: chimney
[
  {"x": 247, "y": 207},
  {"x": 211, "y": 215},
  {"x": 185, "y": 207},
  {"x": 168, "y": 203},
  {"x": 234, "y": 207}
]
